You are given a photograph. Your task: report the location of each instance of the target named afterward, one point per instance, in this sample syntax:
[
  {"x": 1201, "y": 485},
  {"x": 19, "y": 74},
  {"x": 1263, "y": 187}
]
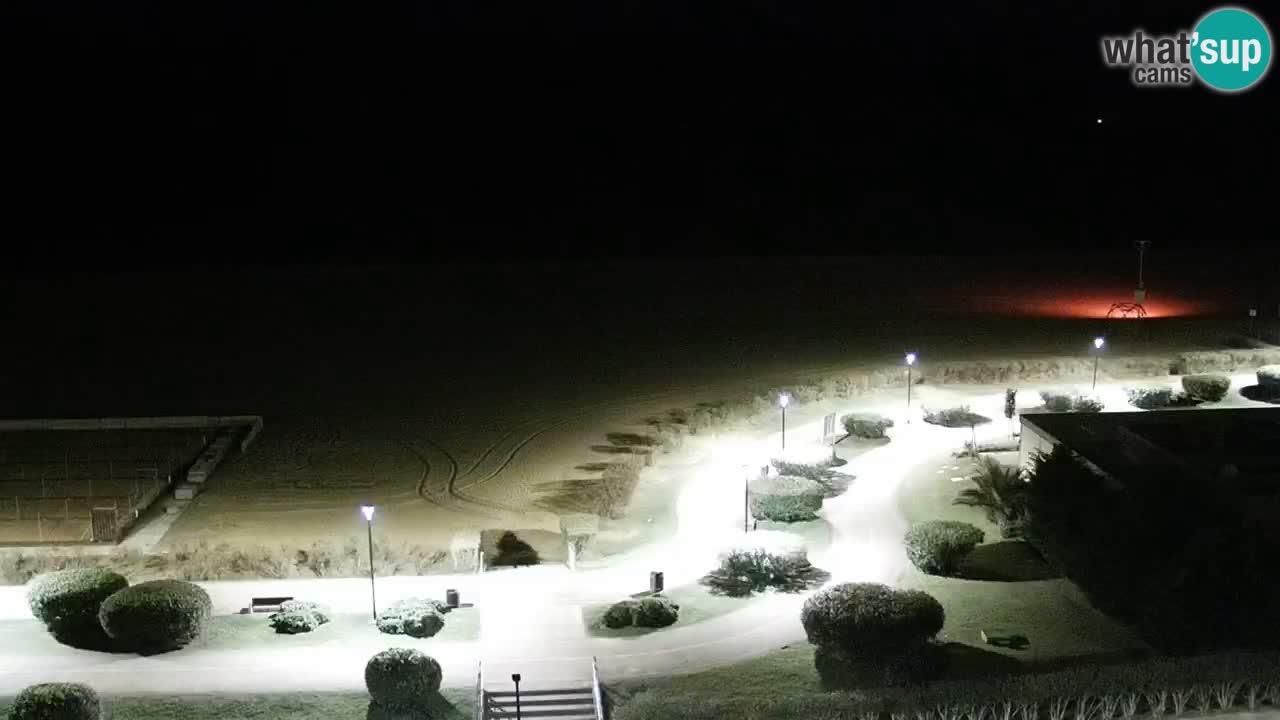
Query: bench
[{"x": 268, "y": 604}]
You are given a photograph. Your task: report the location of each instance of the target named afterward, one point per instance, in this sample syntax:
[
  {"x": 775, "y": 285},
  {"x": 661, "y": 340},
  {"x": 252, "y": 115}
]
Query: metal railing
[{"x": 596, "y": 695}]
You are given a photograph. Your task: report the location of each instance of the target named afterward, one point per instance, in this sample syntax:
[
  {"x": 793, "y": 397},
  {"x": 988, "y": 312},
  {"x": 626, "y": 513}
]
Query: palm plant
[{"x": 1000, "y": 493}]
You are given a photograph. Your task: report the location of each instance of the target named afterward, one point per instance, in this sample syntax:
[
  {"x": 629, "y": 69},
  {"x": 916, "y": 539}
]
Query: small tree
[
  {"x": 1010, "y": 407},
  {"x": 1000, "y": 493}
]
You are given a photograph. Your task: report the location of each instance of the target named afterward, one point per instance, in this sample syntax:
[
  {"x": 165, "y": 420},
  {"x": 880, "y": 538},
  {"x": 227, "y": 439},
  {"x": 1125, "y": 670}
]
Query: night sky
[{"x": 239, "y": 131}]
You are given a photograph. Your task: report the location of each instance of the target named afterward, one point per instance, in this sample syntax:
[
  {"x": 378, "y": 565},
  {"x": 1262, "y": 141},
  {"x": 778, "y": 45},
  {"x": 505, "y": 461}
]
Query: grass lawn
[
  {"x": 451, "y": 704},
  {"x": 231, "y": 632},
  {"x": 1009, "y": 587},
  {"x": 247, "y": 631}
]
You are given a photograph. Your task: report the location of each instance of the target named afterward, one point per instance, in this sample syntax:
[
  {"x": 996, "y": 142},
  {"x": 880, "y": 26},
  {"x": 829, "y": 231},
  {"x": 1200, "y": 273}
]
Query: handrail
[
  {"x": 596, "y": 696},
  {"x": 480, "y": 690}
]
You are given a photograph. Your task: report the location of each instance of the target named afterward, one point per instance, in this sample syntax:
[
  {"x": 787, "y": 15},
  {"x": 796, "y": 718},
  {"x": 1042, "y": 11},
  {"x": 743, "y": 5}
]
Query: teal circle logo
[{"x": 1231, "y": 49}]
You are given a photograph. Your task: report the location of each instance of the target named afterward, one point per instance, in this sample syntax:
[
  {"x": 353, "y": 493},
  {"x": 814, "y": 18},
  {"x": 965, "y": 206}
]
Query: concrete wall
[{"x": 1033, "y": 440}]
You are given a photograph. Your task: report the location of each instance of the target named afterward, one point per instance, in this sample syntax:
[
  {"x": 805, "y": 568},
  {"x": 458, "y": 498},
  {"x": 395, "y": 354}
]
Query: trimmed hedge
[
  {"x": 650, "y": 612},
  {"x": 299, "y": 616},
  {"x": 68, "y": 601},
  {"x": 156, "y": 615},
  {"x": 415, "y": 617},
  {"x": 56, "y": 701},
  {"x": 1069, "y": 402},
  {"x": 402, "y": 678},
  {"x": 870, "y": 619},
  {"x": 869, "y": 426},
  {"x": 1206, "y": 387},
  {"x": 937, "y": 546},
  {"x": 786, "y": 498}
]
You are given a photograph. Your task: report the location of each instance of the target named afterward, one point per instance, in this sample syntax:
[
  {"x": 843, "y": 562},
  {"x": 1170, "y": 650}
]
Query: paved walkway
[{"x": 531, "y": 616}]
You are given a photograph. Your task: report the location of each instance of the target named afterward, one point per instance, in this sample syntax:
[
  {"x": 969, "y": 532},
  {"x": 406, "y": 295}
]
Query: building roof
[{"x": 1239, "y": 444}]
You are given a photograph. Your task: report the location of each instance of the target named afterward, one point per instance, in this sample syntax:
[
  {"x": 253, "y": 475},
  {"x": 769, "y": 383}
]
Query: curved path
[
  {"x": 529, "y": 616},
  {"x": 516, "y": 604}
]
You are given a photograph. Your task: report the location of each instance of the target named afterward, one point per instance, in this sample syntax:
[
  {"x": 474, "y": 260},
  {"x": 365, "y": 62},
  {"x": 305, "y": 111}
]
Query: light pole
[
  {"x": 1098, "y": 342},
  {"x": 746, "y": 504},
  {"x": 367, "y": 511},
  {"x": 783, "y": 401},
  {"x": 515, "y": 678},
  {"x": 911, "y": 361}
]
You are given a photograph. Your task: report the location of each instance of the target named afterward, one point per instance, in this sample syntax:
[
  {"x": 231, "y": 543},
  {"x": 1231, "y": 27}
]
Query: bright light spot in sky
[{"x": 1099, "y": 121}]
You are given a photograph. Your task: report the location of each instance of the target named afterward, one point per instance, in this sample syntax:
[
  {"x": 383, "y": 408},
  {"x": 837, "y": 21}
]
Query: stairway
[{"x": 562, "y": 704}]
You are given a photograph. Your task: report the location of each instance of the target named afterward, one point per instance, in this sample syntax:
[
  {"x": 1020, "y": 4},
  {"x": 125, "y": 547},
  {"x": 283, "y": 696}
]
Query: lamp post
[
  {"x": 1098, "y": 342},
  {"x": 515, "y": 678},
  {"x": 911, "y": 361},
  {"x": 746, "y": 504},
  {"x": 783, "y": 401},
  {"x": 367, "y": 511}
]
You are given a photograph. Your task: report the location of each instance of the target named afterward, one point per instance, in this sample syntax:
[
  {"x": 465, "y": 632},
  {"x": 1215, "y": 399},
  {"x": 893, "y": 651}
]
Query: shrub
[
  {"x": 514, "y": 552},
  {"x": 156, "y": 615},
  {"x": 869, "y": 426},
  {"x": 1000, "y": 493},
  {"x": 936, "y": 547},
  {"x": 1086, "y": 404},
  {"x": 651, "y": 612},
  {"x": 1269, "y": 377},
  {"x": 401, "y": 678},
  {"x": 869, "y": 619},
  {"x": 1056, "y": 402},
  {"x": 68, "y": 601},
  {"x": 299, "y": 616},
  {"x": 56, "y": 701},
  {"x": 656, "y": 612},
  {"x": 832, "y": 483},
  {"x": 1157, "y": 398},
  {"x": 746, "y": 571},
  {"x": 1207, "y": 387},
  {"x": 620, "y": 614},
  {"x": 956, "y": 417},
  {"x": 1064, "y": 402},
  {"x": 786, "y": 498},
  {"x": 414, "y": 617}
]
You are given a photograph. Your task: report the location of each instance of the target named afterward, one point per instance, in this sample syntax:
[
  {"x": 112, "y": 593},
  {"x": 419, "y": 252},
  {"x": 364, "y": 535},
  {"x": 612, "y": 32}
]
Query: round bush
[
  {"x": 1269, "y": 377},
  {"x": 786, "y": 498},
  {"x": 866, "y": 619},
  {"x": 620, "y": 614},
  {"x": 937, "y": 546},
  {"x": 299, "y": 616},
  {"x": 415, "y": 617},
  {"x": 869, "y": 426},
  {"x": 656, "y": 612},
  {"x": 1207, "y": 387},
  {"x": 156, "y": 615},
  {"x": 402, "y": 678},
  {"x": 68, "y": 601},
  {"x": 56, "y": 701}
]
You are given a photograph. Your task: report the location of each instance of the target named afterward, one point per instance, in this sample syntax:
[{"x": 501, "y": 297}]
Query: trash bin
[
  {"x": 655, "y": 582},
  {"x": 451, "y": 598}
]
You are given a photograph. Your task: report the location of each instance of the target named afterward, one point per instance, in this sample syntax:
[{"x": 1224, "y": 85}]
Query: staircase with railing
[{"x": 584, "y": 702}]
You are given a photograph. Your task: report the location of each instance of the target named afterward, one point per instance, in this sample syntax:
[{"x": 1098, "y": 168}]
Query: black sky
[{"x": 251, "y": 131}]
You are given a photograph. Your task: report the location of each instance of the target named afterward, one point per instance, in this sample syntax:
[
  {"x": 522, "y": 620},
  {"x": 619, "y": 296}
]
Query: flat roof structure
[{"x": 1240, "y": 445}]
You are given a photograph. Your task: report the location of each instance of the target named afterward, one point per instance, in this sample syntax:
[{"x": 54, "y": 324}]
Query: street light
[
  {"x": 911, "y": 361},
  {"x": 1098, "y": 342},
  {"x": 783, "y": 401},
  {"x": 515, "y": 678},
  {"x": 367, "y": 511}
]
